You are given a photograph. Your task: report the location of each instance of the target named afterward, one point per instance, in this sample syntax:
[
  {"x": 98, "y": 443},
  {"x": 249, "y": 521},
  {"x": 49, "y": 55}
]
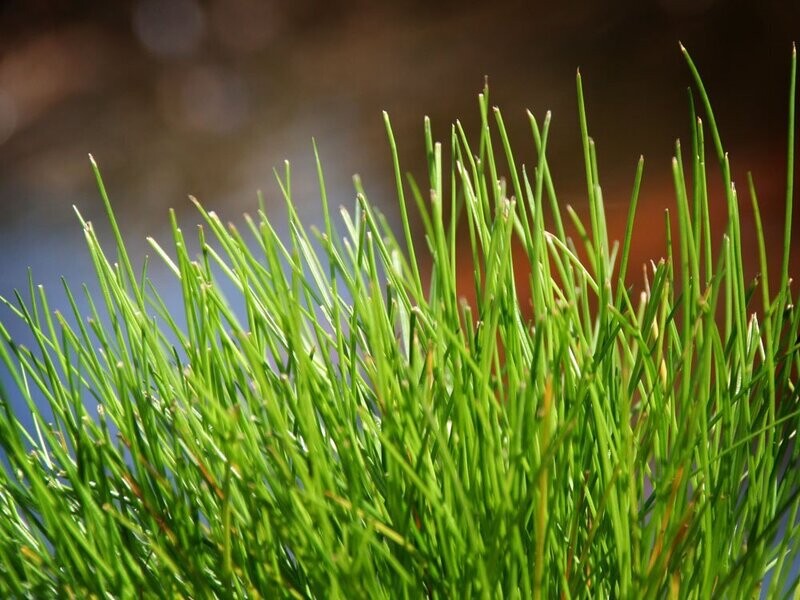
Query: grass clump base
[{"x": 358, "y": 432}]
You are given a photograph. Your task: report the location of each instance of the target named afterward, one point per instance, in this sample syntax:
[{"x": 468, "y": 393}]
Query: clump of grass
[{"x": 361, "y": 433}]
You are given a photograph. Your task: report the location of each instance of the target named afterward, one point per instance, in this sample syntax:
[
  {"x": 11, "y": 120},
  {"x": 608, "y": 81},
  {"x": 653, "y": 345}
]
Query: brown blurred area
[{"x": 177, "y": 97}]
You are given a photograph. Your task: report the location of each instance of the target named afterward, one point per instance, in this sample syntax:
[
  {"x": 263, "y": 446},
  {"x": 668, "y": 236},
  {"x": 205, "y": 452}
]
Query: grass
[{"x": 359, "y": 432}]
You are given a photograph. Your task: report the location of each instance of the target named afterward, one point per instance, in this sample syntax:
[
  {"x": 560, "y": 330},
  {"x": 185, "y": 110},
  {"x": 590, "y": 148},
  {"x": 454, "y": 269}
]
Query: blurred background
[{"x": 205, "y": 97}]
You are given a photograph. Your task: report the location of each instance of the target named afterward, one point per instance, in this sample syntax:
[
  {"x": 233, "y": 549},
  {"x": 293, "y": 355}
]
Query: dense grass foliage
[{"x": 357, "y": 432}]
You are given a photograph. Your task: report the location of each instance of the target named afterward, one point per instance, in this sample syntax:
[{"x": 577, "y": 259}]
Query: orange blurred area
[{"x": 657, "y": 203}]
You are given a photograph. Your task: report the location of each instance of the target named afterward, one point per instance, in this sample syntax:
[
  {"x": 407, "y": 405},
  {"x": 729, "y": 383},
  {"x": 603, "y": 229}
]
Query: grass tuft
[{"x": 359, "y": 431}]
